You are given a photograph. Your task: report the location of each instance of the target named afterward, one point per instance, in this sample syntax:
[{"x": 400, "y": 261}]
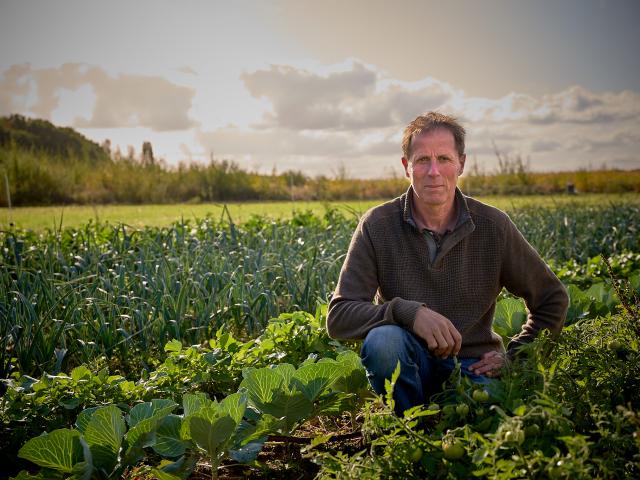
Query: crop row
[{"x": 69, "y": 296}]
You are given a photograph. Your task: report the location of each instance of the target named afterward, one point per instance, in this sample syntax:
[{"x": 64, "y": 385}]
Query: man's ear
[
  {"x": 462, "y": 159},
  {"x": 405, "y": 164}
]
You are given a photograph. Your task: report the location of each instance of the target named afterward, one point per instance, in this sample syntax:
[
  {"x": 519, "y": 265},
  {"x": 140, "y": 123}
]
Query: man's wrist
[{"x": 405, "y": 312}]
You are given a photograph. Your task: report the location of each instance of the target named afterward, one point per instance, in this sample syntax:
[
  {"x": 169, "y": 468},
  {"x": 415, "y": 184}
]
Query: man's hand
[
  {"x": 443, "y": 339},
  {"x": 489, "y": 364}
]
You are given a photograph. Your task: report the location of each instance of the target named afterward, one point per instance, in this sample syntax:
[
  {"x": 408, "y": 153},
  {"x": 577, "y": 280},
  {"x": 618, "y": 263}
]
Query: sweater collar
[{"x": 461, "y": 206}]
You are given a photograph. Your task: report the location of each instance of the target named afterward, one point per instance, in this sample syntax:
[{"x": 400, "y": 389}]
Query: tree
[
  {"x": 106, "y": 146},
  {"x": 147, "y": 154}
]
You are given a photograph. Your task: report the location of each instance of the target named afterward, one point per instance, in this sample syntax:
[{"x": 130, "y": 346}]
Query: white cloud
[
  {"x": 120, "y": 101},
  {"x": 15, "y": 89},
  {"x": 354, "y": 99},
  {"x": 573, "y": 105}
]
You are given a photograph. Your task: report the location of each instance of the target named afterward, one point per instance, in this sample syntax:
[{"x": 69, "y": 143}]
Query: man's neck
[{"x": 437, "y": 218}]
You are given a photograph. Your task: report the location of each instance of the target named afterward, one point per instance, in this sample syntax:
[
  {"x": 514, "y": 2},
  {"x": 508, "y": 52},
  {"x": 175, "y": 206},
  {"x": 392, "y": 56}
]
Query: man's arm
[
  {"x": 525, "y": 274},
  {"x": 351, "y": 311}
]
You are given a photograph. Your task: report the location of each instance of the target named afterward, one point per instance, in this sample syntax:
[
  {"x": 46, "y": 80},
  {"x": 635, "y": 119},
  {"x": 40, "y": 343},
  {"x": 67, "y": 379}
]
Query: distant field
[{"x": 40, "y": 218}]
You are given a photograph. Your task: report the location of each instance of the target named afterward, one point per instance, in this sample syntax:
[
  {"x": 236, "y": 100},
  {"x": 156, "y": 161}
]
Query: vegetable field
[{"x": 198, "y": 350}]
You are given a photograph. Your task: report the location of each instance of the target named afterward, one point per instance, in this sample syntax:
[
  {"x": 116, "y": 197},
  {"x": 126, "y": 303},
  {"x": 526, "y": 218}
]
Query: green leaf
[
  {"x": 84, "y": 470},
  {"x": 104, "y": 436},
  {"x": 248, "y": 452},
  {"x": 353, "y": 376},
  {"x": 59, "y": 450},
  {"x": 80, "y": 373},
  {"x": 389, "y": 385},
  {"x": 292, "y": 406},
  {"x": 269, "y": 392},
  {"x": 69, "y": 403},
  {"x": 168, "y": 441},
  {"x": 318, "y": 440},
  {"x": 84, "y": 417},
  {"x": 266, "y": 425},
  {"x": 211, "y": 430},
  {"x": 192, "y": 402},
  {"x": 335, "y": 403},
  {"x": 139, "y": 412},
  {"x": 286, "y": 371},
  {"x": 509, "y": 317},
  {"x": 173, "y": 346},
  {"x": 179, "y": 470},
  {"x": 234, "y": 405},
  {"x": 143, "y": 411},
  {"x": 261, "y": 384},
  {"x": 314, "y": 378},
  {"x": 143, "y": 433}
]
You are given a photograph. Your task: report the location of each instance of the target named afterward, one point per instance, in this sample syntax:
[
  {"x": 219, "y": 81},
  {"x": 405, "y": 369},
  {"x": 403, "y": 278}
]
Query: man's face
[{"x": 434, "y": 167}]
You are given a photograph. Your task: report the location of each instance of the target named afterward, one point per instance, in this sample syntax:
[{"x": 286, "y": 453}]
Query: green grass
[{"x": 41, "y": 218}]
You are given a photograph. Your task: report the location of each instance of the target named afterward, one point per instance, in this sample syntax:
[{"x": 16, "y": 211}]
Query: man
[{"x": 435, "y": 261}]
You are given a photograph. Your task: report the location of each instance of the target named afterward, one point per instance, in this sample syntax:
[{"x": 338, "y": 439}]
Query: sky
[{"x": 327, "y": 87}]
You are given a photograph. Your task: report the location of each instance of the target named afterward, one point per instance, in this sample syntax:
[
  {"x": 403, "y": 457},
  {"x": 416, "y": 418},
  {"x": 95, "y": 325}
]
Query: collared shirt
[{"x": 433, "y": 238}]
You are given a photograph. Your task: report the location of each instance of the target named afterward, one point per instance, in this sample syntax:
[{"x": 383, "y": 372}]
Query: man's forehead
[
  {"x": 437, "y": 138},
  {"x": 434, "y": 132}
]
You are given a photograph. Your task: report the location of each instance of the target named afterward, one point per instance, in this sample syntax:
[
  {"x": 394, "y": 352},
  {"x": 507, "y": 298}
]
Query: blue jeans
[{"x": 421, "y": 373}]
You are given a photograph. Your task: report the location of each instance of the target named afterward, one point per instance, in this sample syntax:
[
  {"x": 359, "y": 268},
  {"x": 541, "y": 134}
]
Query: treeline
[
  {"x": 581, "y": 181},
  {"x": 37, "y": 178},
  {"x": 42, "y": 164}
]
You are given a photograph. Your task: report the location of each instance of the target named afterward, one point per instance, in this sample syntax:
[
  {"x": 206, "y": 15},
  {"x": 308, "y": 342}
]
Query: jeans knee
[{"x": 384, "y": 346}]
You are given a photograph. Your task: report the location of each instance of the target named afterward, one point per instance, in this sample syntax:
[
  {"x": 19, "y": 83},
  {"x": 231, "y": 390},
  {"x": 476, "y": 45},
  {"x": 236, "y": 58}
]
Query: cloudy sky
[{"x": 320, "y": 85}]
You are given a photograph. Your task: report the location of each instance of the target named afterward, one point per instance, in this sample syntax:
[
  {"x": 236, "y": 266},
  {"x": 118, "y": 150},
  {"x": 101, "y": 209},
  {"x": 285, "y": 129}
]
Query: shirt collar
[{"x": 461, "y": 207}]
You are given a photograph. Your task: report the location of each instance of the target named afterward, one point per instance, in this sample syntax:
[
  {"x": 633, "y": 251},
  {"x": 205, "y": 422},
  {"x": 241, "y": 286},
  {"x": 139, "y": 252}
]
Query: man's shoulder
[
  {"x": 385, "y": 212},
  {"x": 486, "y": 212}
]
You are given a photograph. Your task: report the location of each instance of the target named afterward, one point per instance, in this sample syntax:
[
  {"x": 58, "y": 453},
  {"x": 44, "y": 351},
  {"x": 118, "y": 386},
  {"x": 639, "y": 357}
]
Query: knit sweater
[{"x": 388, "y": 261}]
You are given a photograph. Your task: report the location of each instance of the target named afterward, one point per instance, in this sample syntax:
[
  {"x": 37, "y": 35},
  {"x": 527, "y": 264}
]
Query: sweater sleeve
[
  {"x": 352, "y": 312},
  {"x": 525, "y": 274}
]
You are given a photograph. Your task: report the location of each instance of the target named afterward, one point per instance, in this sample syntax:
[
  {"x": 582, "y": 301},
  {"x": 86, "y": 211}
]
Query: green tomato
[
  {"x": 480, "y": 396},
  {"x": 532, "y": 430},
  {"x": 514, "y": 437},
  {"x": 453, "y": 450},
  {"x": 449, "y": 409},
  {"x": 462, "y": 409},
  {"x": 614, "y": 345},
  {"x": 433, "y": 406},
  {"x": 416, "y": 455}
]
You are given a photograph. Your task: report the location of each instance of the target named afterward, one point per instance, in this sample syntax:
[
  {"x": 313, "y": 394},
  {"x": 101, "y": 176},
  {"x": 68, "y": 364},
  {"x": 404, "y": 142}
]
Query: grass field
[{"x": 41, "y": 218}]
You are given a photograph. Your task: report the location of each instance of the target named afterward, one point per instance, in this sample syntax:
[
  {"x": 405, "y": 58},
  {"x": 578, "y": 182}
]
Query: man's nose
[{"x": 433, "y": 169}]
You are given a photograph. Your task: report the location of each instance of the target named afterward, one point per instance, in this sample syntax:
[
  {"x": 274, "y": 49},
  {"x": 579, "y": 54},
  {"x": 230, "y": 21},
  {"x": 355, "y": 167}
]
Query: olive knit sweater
[{"x": 388, "y": 259}]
